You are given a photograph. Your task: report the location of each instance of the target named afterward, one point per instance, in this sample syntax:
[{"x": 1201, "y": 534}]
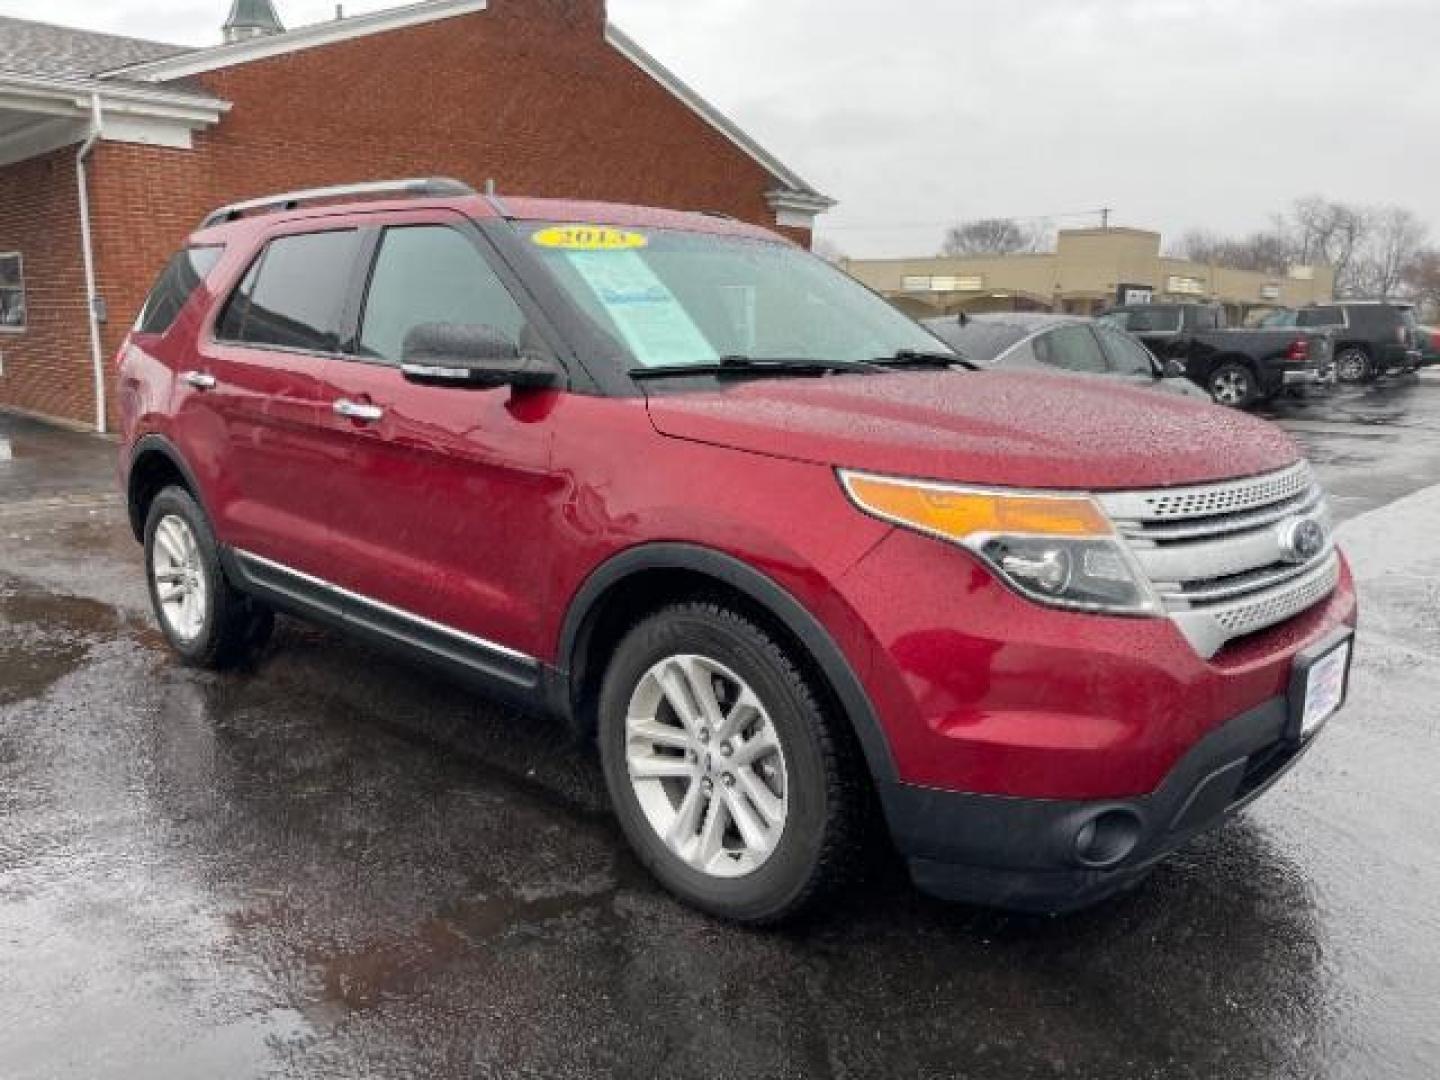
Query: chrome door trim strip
[{"x": 387, "y": 609}]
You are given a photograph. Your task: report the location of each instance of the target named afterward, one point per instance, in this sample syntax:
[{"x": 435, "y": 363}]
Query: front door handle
[
  {"x": 355, "y": 410},
  {"x": 199, "y": 380}
]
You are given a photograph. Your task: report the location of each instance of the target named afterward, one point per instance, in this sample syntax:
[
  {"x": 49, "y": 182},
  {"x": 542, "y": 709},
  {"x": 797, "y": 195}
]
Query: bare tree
[
  {"x": 1399, "y": 236},
  {"x": 1335, "y": 233},
  {"x": 1268, "y": 251},
  {"x": 991, "y": 236},
  {"x": 1422, "y": 280}
]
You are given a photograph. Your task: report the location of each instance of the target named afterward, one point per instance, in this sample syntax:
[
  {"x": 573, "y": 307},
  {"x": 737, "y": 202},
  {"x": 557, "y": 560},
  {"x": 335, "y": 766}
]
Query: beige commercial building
[{"x": 1089, "y": 270}]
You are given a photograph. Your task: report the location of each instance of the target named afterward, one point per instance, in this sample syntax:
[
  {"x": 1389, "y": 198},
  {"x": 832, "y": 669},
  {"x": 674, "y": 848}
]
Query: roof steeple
[{"x": 252, "y": 19}]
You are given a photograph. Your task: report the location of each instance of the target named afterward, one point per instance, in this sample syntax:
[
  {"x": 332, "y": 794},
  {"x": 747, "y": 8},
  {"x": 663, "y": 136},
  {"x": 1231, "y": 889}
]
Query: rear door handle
[
  {"x": 354, "y": 410},
  {"x": 199, "y": 380}
]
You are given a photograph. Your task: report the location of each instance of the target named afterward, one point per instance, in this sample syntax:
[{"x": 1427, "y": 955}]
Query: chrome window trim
[{"x": 388, "y": 609}]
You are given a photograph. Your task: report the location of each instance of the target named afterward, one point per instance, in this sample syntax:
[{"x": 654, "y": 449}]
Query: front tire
[
  {"x": 730, "y": 780},
  {"x": 205, "y": 619},
  {"x": 1232, "y": 385}
]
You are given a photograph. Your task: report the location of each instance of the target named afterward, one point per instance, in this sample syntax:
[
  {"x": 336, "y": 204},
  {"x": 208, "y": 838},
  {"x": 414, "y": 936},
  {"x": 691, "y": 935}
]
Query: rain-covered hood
[{"x": 995, "y": 428}]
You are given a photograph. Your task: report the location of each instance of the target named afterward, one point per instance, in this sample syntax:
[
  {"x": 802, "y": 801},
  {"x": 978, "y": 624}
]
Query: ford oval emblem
[{"x": 1301, "y": 539}]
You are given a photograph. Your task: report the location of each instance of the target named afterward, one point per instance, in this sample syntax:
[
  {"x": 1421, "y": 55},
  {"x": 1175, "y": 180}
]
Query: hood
[{"x": 993, "y": 428}]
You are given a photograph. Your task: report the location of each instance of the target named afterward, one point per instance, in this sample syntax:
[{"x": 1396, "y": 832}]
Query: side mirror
[
  {"x": 1173, "y": 369},
  {"x": 475, "y": 356}
]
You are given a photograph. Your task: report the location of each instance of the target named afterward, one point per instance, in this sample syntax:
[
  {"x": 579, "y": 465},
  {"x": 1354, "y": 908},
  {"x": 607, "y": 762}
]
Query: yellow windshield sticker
[{"x": 589, "y": 238}]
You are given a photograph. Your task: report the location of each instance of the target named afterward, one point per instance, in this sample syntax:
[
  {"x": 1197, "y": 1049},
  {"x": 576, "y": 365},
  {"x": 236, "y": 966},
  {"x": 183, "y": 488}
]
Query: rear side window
[
  {"x": 1320, "y": 316},
  {"x": 431, "y": 274},
  {"x": 291, "y": 298},
  {"x": 178, "y": 281}
]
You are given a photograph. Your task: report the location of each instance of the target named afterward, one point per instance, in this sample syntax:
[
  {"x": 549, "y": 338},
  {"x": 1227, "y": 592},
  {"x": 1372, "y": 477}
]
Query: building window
[{"x": 12, "y": 291}]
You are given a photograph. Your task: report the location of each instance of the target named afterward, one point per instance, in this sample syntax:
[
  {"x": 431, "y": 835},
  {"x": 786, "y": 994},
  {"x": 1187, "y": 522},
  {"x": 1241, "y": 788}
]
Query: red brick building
[{"x": 112, "y": 149}]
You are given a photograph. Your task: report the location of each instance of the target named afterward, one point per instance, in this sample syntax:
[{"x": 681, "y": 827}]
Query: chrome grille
[{"x": 1217, "y": 556}]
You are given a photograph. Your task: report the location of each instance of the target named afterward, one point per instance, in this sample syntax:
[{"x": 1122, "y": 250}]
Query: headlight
[{"x": 1056, "y": 549}]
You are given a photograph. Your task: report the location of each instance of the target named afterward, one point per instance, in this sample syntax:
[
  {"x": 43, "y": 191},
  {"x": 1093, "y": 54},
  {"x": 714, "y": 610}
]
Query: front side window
[
  {"x": 178, "y": 281},
  {"x": 12, "y": 291},
  {"x": 1071, "y": 348},
  {"x": 291, "y": 298},
  {"x": 669, "y": 297},
  {"x": 1127, "y": 356},
  {"x": 431, "y": 274}
]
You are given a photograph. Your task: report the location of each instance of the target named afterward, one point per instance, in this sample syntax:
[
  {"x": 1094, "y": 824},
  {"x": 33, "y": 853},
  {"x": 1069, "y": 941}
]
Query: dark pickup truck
[{"x": 1238, "y": 367}]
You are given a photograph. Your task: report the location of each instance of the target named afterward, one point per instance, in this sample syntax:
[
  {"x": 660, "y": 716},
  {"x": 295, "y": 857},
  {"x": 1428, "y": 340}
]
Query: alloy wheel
[
  {"x": 707, "y": 766},
  {"x": 1230, "y": 387},
  {"x": 181, "y": 592}
]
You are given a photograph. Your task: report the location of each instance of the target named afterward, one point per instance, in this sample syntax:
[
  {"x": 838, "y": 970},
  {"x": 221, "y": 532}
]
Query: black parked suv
[
  {"x": 1371, "y": 336},
  {"x": 1237, "y": 367}
]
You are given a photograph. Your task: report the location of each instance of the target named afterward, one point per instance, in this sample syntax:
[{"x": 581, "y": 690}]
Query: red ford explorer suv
[{"x": 771, "y": 544}]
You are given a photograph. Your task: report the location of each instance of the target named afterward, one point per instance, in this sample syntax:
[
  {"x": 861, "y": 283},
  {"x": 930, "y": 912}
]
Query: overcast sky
[{"x": 915, "y": 113}]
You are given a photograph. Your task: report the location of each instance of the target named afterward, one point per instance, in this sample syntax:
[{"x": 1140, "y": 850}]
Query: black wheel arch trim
[
  {"x": 159, "y": 444},
  {"x": 758, "y": 588}
]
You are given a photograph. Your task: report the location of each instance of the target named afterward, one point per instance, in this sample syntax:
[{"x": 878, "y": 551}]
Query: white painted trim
[
  {"x": 45, "y": 135},
  {"x": 71, "y": 97},
  {"x": 302, "y": 37},
  {"x": 795, "y": 210},
  {"x": 87, "y": 251},
  {"x": 631, "y": 50},
  {"x": 148, "y": 131},
  {"x": 63, "y": 113}
]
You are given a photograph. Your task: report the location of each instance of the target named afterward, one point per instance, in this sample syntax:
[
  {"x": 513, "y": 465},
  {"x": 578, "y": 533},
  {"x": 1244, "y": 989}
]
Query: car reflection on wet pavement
[{"x": 334, "y": 865}]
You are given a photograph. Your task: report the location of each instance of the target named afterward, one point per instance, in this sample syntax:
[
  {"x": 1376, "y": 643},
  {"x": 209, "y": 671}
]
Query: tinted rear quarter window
[
  {"x": 1320, "y": 316},
  {"x": 177, "y": 283},
  {"x": 292, "y": 295}
]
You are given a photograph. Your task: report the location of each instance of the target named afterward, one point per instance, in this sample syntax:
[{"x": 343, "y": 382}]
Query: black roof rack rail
[{"x": 419, "y": 188}]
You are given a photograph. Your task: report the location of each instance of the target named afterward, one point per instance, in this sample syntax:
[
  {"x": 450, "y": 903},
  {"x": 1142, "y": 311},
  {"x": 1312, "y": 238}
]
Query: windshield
[
  {"x": 680, "y": 298},
  {"x": 1148, "y": 321}
]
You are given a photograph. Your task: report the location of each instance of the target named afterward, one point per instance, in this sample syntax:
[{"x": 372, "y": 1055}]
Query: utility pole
[{"x": 1105, "y": 218}]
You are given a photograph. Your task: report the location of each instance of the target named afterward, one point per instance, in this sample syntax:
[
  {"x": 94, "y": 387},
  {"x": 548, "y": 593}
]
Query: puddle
[{"x": 44, "y": 637}]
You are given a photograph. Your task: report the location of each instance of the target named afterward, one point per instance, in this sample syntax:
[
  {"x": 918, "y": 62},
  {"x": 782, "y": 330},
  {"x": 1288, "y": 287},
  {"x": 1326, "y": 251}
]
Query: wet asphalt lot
[{"x": 333, "y": 866}]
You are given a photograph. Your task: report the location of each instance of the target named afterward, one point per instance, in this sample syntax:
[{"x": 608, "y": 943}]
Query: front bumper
[{"x": 1050, "y": 855}]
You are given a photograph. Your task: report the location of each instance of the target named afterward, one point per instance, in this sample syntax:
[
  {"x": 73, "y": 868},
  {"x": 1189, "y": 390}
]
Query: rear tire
[
  {"x": 208, "y": 622},
  {"x": 1353, "y": 365},
  {"x": 1232, "y": 385},
  {"x": 731, "y": 782}
]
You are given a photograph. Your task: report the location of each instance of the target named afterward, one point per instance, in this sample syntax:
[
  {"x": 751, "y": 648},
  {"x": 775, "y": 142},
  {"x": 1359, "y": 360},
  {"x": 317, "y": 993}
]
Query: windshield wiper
[
  {"x": 746, "y": 366},
  {"x": 924, "y": 358}
]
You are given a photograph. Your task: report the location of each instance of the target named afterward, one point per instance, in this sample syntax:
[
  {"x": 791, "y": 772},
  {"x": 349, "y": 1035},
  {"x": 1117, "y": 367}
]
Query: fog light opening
[{"x": 1107, "y": 839}]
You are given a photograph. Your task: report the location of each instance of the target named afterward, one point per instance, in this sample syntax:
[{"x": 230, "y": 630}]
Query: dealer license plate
[{"x": 1324, "y": 689}]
